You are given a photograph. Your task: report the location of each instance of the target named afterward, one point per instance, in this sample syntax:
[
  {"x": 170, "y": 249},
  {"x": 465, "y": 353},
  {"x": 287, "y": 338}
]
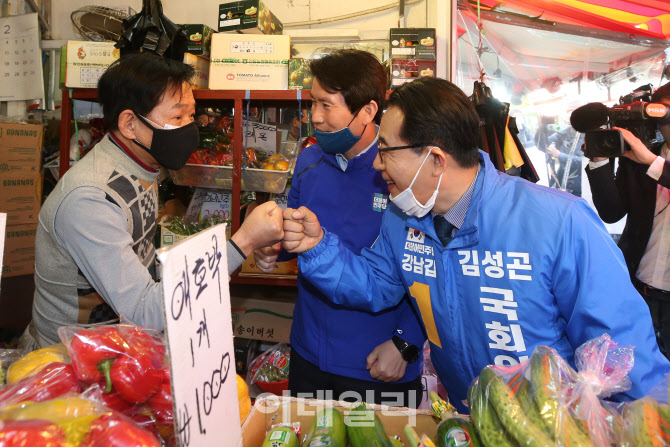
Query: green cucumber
[
  {"x": 365, "y": 429},
  {"x": 510, "y": 413},
  {"x": 281, "y": 437},
  {"x": 395, "y": 442},
  {"x": 327, "y": 429},
  {"x": 457, "y": 432},
  {"x": 491, "y": 433}
]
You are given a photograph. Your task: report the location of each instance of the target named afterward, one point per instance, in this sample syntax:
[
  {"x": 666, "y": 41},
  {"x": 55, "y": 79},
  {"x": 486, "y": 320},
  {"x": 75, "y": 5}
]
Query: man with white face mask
[{"x": 494, "y": 264}]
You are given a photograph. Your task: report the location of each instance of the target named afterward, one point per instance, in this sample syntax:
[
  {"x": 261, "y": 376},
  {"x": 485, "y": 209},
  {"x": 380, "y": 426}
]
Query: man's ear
[
  {"x": 439, "y": 160},
  {"x": 369, "y": 111},
  {"x": 127, "y": 122}
]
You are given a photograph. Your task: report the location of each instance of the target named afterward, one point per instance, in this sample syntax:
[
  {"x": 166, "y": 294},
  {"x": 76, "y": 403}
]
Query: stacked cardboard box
[
  {"x": 248, "y": 17},
  {"x": 82, "y": 62},
  {"x": 412, "y": 55},
  {"x": 20, "y": 193}
]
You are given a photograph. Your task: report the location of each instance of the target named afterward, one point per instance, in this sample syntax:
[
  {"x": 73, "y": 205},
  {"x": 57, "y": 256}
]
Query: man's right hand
[
  {"x": 261, "y": 228},
  {"x": 302, "y": 230}
]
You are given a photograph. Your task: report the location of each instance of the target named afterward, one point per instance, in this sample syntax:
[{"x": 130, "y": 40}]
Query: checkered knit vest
[{"x": 63, "y": 296}]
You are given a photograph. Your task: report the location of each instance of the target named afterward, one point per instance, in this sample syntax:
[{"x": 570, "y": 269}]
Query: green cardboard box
[
  {"x": 199, "y": 38},
  {"x": 248, "y": 17},
  {"x": 299, "y": 76}
]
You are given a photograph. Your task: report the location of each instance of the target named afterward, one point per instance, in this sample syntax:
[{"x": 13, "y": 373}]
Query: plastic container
[
  {"x": 273, "y": 387},
  {"x": 221, "y": 177}
]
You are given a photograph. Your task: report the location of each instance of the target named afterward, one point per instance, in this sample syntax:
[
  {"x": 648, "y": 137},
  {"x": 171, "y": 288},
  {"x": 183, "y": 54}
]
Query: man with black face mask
[
  {"x": 337, "y": 349},
  {"x": 94, "y": 253}
]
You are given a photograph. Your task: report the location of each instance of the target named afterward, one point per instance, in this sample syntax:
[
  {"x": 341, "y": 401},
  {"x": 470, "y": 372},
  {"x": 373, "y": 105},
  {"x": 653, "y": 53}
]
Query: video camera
[{"x": 635, "y": 112}]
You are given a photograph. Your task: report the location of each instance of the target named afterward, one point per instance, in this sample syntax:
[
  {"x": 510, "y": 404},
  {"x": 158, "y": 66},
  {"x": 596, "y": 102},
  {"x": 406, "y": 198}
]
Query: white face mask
[
  {"x": 166, "y": 126},
  {"x": 408, "y": 203}
]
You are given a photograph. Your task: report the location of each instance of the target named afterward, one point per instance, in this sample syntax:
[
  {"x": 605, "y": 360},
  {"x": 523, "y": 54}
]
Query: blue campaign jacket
[
  {"x": 546, "y": 273},
  {"x": 351, "y": 203}
]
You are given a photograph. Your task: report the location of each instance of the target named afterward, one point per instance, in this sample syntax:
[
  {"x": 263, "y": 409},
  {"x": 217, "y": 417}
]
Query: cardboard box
[
  {"x": 412, "y": 43},
  {"x": 20, "y": 148},
  {"x": 407, "y": 70},
  {"x": 19, "y": 257},
  {"x": 199, "y": 38},
  {"x": 262, "y": 312},
  {"x": 248, "y": 17},
  {"x": 201, "y": 65},
  {"x": 86, "y": 61},
  {"x": 21, "y": 197},
  {"x": 248, "y": 62},
  {"x": 268, "y": 411},
  {"x": 299, "y": 76}
]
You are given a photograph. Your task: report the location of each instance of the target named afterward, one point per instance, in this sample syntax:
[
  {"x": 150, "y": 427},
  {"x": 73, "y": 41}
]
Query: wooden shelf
[{"x": 238, "y": 97}]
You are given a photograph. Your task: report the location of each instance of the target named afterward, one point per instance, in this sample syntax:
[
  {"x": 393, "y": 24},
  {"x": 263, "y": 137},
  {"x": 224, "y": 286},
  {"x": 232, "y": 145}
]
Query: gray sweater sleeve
[
  {"x": 235, "y": 258},
  {"x": 95, "y": 233}
]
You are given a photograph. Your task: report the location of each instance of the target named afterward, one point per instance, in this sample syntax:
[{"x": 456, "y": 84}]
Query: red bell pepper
[
  {"x": 91, "y": 347},
  {"x": 161, "y": 402},
  {"x": 54, "y": 380},
  {"x": 112, "y": 430},
  {"x": 135, "y": 378},
  {"x": 144, "y": 343},
  {"x": 31, "y": 433},
  {"x": 113, "y": 401}
]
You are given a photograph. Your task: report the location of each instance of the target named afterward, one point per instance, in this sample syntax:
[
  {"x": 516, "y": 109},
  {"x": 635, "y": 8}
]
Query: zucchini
[
  {"x": 281, "y": 436},
  {"x": 327, "y": 429},
  {"x": 395, "y": 441},
  {"x": 365, "y": 429},
  {"x": 510, "y": 413},
  {"x": 491, "y": 433},
  {"x": 456, "y": 431}
]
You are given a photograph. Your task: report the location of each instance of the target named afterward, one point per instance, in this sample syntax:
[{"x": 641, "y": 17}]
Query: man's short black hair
[
  {"x": 356, "y": 74},
  {"x": 660, "y": 93},
  {"x": 138, "y": 82},
  {"x": 437, "y": 112}
]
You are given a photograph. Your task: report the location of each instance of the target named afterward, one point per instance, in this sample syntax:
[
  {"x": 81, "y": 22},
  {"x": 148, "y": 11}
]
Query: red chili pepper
[
  {"x": 90, "y": 347},
  {"x": 144, "y": 343},
  {"x": 161, "y": 402},
  {"x": 32, "y": 432},
  {"x": 135, "y": 378},
  {"x": 54, "y": 380},
  {"x": 111, "y": 430}
]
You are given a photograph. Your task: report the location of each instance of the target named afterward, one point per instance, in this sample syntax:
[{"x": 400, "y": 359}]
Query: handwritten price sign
[{"x": 200, "y": 340}]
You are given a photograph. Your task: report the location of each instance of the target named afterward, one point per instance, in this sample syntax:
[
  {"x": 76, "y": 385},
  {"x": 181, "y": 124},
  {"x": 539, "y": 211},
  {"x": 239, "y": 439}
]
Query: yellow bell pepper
[
  {"x": 243, "y": 398},
  {"x": 55, "y": 410},
  {"x": 33, "y": 362}
]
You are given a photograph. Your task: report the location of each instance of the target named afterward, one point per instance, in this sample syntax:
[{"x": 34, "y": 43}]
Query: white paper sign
[
  {"x": 200, "y": 340},
  {"x": 3, "y": 225},
  {"x": 262, "y": 137},
  {"x": 20, "y": 58},
  {"x": 216, "y": 204}
]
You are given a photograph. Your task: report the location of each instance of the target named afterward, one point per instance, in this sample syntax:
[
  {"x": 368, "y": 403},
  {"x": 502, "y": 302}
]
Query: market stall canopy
[{"x": 542, "y": 43}]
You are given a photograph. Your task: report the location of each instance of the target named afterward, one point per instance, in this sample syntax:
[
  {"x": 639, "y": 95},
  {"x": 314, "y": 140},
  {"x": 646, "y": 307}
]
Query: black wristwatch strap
[{"x": 408, "y": 351}]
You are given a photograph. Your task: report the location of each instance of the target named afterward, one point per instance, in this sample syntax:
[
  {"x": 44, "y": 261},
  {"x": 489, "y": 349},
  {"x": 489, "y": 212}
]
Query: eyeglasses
[{"x": 382, "y": 149}]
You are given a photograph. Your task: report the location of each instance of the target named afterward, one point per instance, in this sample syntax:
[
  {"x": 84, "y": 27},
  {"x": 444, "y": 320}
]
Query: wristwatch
[{"x": 408, "y": 351}]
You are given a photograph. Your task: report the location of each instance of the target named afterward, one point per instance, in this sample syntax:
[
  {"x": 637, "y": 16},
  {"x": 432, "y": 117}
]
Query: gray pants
[{"x": 31, "y": 341}]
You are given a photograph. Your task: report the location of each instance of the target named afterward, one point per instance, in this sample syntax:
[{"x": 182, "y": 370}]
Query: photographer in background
[{"x": 640, "y": 190}]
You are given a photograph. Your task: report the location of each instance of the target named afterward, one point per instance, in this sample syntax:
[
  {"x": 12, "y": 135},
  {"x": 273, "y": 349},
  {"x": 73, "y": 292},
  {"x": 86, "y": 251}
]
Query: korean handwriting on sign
[
  {"x": 258, "y": 131},
  {"x": 199, "y": 279}
]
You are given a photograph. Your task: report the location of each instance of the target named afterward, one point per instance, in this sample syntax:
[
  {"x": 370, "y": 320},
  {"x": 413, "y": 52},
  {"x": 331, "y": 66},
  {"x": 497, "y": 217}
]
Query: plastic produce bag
[
  {"x": 150, "y": 30},
  {"x": 126, "y": 359},
  {"x": 647, "y": 420},
  {"x": 544, "y": 401},
  {"x": 33, "y": 362},
  {"x": 271, "y": 366},
  {"x": 56, "y": 379}
]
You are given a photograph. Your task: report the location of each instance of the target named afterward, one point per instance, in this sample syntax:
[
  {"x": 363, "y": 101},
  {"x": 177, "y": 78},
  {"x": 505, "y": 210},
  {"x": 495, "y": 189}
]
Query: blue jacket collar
[
  {"x": 468, "y": 235},
  {"x": 363, "y": 161}
]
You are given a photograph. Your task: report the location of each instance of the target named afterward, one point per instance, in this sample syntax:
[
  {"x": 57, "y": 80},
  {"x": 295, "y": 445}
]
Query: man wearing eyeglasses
[
  {"x": 494, "y": 264},
  {"x": 335, "y": 348}
]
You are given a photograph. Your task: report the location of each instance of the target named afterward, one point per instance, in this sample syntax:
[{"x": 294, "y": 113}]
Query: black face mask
[{"x": 171, "y": 148}]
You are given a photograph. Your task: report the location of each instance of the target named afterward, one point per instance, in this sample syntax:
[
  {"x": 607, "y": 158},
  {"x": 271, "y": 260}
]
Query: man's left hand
[
  {"x": 386, "y": 363},
  {"x": 639, "y": 152}
]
